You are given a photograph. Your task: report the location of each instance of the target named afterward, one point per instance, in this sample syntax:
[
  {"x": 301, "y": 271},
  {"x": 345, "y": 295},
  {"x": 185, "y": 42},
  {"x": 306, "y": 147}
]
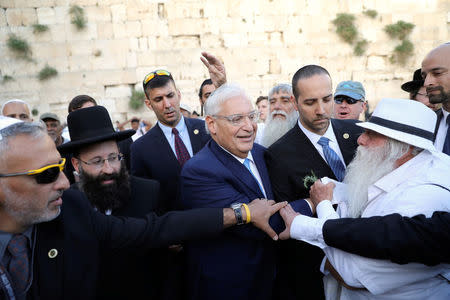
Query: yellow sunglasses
[
  {"x": 153, "y": 74},
  {"x": 44, "y": 175}
]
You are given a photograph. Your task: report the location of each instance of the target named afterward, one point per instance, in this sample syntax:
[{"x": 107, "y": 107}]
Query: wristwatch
[{"x": 238, "y": 212}]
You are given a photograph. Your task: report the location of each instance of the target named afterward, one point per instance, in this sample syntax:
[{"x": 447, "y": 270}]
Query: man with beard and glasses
[
  {"x": 317, "y": 146},
  {"x": 104, "y": 179},
  {"x": 397, "y": 169},
  {"x": 436, "y": 75},
  {"x": 282, "y": 115}
]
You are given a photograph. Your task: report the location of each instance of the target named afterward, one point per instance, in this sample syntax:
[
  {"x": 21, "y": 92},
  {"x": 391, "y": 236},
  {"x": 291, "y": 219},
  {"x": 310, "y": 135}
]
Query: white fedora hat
[{"x": 404, "y": 120}]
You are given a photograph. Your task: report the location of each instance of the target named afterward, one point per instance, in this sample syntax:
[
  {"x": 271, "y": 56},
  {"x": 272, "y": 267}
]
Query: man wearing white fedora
[{"x": 397, "y": 169}]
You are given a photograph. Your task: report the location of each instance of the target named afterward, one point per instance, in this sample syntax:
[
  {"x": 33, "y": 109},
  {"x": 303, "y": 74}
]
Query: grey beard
[
  {"x": 368, "y": 166},
  {"x": 276, "y": 128}
]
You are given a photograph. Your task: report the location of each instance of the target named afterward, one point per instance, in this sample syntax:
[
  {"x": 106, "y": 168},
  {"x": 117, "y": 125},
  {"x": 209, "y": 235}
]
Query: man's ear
[
  {"x": 294, "y": 103},
  {"x": 211, "y": 123},
  {"x": 148, "y": 104},
  {"x": 75, "y": 164}
]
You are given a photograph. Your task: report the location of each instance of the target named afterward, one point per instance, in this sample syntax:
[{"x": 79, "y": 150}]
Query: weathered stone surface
[
  {"x": 105, "y": 30},
  {"x": 14, "y": 16},
  {"x": 134, "y": 29},
  {"x": 118, "y": 13},
  {"x": 46, "y": 15}
]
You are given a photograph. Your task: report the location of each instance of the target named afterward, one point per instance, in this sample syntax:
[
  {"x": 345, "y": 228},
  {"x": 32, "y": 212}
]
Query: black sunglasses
[
  {"x": 348, "y": 100},
  {"x": 44, "y": 175}
]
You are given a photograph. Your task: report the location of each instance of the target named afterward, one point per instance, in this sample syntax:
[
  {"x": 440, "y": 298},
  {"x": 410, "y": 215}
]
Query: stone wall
[{"x": 262, "y": 43}]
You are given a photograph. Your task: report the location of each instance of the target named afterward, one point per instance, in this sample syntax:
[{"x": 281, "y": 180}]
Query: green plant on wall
[
  {"x": 345, "y": 27},
  {"x": 39, "y": 28},
  {"x": 136, "y": 100},
  {"x": 35, "y": 112},
  {"x": 19, "y": 46},
  {"x": 360, "y": 47},
  {"x": 47, "y": 72},
  {"x": 7, "y": 78},
  {"x": 371, "y": 13},
  {"x": 401, "y": 30},
  {"x": 78, "y": 18}
]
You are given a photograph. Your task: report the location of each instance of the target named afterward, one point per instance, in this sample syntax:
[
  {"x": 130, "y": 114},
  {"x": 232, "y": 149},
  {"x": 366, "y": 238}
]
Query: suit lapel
[
  {"x": 258, "y": 157},
  {"x": 439, "y": 114},
  {"x": 303, "y": 142},
  {"x": 343, "y": 138},
  {"x": 236, "y": 168},
  {"x": 194, "y": 135}
]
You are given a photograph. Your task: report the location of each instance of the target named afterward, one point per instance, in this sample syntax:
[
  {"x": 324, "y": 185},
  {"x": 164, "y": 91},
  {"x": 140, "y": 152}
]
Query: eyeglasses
[
  {"x": 348, "y": 100},
  {"x": 239, "y": 119},
  {"x": 99, "y": 162},
  {"x": 153, "y": 74},
  {"x": 44, "y": 175}
]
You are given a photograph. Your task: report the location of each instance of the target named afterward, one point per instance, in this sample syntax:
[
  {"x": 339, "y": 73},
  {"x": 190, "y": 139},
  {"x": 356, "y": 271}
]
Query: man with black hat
[
  {"x": 417, "y": 91},
  {"x": 104, "y": 179}
]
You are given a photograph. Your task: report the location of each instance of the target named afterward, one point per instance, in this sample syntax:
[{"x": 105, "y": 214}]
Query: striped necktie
[{"x": 332, "y": 159}]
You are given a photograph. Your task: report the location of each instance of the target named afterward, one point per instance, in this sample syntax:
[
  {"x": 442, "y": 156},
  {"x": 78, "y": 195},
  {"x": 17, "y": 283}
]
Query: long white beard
[
  {"x": 276, "y": 128},
  {"x": 368, "y": 166}
]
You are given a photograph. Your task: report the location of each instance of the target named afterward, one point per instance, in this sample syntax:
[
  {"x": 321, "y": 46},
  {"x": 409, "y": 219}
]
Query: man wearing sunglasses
[
  {"x": 349, "y": 100},
  {"x": 51, "y": 240}
]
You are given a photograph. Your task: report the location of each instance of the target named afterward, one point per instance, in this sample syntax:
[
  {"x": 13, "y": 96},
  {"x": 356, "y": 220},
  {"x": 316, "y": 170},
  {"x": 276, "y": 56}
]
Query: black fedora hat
[
  {"x": 414, "y": 85},
  {"x": 91, "y": 125}
]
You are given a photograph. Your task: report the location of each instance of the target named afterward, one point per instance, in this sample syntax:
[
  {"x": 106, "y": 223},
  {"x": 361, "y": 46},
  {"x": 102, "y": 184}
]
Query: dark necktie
[
  {"x": 332, "y": 159},
  {"x": 19, "y": 265},
  {"x": 446, "y": 148},
  {"x": 180, "y": 148}
]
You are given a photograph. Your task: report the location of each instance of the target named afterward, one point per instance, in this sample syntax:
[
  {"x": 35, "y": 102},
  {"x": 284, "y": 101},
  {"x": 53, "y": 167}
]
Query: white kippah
[{"x": 5, "y": 122}]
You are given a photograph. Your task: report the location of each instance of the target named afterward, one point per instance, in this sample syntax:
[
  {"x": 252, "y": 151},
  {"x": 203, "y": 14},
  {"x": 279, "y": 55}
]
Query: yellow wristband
[{"x": 247, "y": 211}]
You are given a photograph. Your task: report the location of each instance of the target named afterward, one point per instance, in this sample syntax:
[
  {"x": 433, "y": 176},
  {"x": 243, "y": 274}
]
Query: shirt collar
[
  {"x": 241, "y": 160},
  {"x": 445, "y": 114},
  {"x": 314, "y": 137},
  {"x": 167, "y": 130}
]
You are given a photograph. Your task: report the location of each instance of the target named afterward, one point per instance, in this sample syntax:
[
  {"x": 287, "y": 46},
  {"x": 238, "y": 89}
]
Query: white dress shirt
[
  {"x": 252, "y": 167},
  {"x": 182, "y": 132},
  {"x": 409, "y": 191},
  {"x": 442, "y": 131},
  {"x": 314, "y": 138}
]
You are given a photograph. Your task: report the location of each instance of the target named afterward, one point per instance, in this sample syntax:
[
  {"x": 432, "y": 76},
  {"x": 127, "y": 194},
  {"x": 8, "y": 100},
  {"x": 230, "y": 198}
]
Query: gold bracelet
[{"x": 247, "y": 211}]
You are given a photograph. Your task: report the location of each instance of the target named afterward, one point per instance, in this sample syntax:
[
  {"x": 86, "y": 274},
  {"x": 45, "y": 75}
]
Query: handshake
[{"x": 263, "y": 212}]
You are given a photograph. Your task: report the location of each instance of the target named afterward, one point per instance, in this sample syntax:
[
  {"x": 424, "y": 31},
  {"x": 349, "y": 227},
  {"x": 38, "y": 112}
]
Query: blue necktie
[
  {"x": 446, "y": 148},
  {"x": 247, "y": 165},
  {"x": 332, "y": 159}
]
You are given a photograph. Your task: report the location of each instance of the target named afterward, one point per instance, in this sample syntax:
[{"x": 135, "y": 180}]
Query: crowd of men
[{"x": 311, "y": 202}]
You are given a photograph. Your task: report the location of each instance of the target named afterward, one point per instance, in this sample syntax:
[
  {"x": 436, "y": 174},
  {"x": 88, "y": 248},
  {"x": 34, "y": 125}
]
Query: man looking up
[
  {"x": 436, "y": 74},
  {"x": 18, "y": 109},
  {"x": 349, "y": 100},
  {"x": 316, "y": 147}
]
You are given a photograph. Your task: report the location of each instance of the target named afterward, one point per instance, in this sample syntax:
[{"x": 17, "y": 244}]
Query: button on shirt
[
  {"x": 442, "y": 131},
  {"x": 402, "y": 191},
  {"x": 183, "y": 133},
  {"x": 314, "y": 138}
]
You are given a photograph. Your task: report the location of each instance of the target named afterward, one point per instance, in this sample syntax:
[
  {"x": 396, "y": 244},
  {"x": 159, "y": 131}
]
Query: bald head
[
  {"x": 436, "y": 75},
  {"x": 17, "y": 109}
]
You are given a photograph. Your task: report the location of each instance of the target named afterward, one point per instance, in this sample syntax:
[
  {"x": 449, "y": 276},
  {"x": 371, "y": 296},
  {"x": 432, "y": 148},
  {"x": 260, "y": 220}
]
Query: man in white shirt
[
  {"x": 396, "y": 170},
  {"x": 436, "y": 74}
]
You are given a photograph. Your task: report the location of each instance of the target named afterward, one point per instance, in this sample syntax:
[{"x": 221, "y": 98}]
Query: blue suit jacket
[
  {"x": 240, "y": 263},
  {"x": 152, "y": 157}
]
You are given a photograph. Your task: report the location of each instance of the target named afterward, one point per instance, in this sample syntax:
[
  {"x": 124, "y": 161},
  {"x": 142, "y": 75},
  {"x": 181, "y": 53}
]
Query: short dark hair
[
  {"x": 205, "y": 82},
  {"x": 135, "y": 120},
  {"x": 261, "y": 98},
  {"x": 305, "y": 72},
  {"x": 79, "y": 101},
  {"x": 157, "y": 82}
]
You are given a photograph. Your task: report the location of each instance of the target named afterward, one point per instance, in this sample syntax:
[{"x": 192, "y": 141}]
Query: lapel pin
[
  {"x": 53, "y": 253},
  {"x": 346, "y": 135},
  {"x": 195, "y": 131}
]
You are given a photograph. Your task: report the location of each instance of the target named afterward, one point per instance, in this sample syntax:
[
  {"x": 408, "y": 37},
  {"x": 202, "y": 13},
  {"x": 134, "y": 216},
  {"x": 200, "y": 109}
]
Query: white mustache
[{"x": 278, "y": 112}]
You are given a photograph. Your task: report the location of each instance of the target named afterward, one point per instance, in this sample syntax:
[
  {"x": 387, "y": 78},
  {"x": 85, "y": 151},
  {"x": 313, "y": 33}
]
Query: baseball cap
[
  {"x": 49, "y": 115},
  {"x": 352, "y": 89}
]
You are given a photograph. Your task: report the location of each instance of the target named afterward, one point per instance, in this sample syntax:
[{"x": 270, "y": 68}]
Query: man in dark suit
[
  {"x": 230, "y": 171},
  {"x": 104, "y": 179},
  {"x": 436, "y": 74},
  {"x": 51, "y": 242},
  {"x": 316, "y": 147}
]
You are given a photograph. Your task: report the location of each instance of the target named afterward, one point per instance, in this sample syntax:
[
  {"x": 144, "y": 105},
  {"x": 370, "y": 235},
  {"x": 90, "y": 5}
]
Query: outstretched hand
[
  {"x": 215, "y": 68},
  {"x": 261, "y": 210},
  {"x": 288, "y": 215}
]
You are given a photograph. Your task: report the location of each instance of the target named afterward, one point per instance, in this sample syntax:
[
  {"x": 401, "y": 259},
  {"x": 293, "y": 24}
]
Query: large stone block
[
  {"x": 14, "y": 16},
  {"x": 120, "y": 30},
  {"x": 184, "y": 9},
  {"x": 81, "y": 48},
  {"x": 232, "y": 40},
  {"x": 118, "y": 91},
  {"x": 134, "y": 29},
  {"x": 142, "y": 12},
  {"x": 131, "y": 60},
  {"x": 145, "y": 59},
  {"x": 88, "y": 33},
  {"x": 50, "y": 50},
  {"x": 134, "y": 44},
  {"x": 33, "y": 3},
  {"x": 98, "y": 13},
  {"x": 186, "y": 42},
  {"x": 162, "y": 43},
  {"x": 79, "y": 63},
  {"x": 114, "y": 55},
  {"x": 209, "y": 40},
  {"x": 2, "y": 17},
  {"x": 118, "y": 13},
  {"x": 105, "y": 30},
  {"x": 155, "y": 27},
  {"x": 143, "y": 44},
  {"x": 58, "y": 32},
  {"x": 186, "y": 26},
  {"x": 46, "y": 15},
  {"x": 29, "y": 16},
  {"x": 214, "y": 9},
  {"x": 62, "y": 15}
]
